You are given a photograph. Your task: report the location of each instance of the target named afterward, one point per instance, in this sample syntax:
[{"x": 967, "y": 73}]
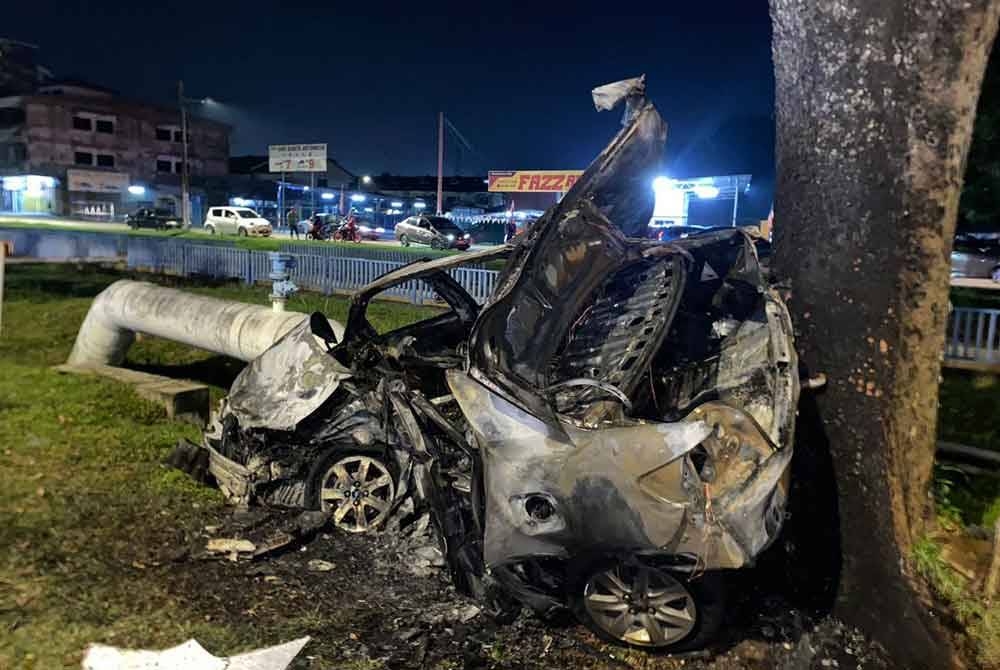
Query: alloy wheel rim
[
  {"x": 359, "y": 490},
  {"x": 640, "y": 605}
]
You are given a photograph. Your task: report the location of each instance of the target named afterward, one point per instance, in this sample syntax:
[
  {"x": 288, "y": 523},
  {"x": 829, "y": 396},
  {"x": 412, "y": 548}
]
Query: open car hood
[{"x": 570, "y": 251}]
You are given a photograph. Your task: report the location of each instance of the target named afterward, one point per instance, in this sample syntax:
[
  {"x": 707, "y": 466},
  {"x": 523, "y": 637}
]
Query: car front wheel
[
  {"x": 404, "y": 240},
  {"x": 211, "y": 230},
  {"x": 634, "y": 603},
  {"x": 358, "y": 489},
  {"x": 242, "y": 232}
]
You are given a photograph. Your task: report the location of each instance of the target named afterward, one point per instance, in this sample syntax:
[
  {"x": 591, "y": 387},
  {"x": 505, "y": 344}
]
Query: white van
[{"x": 241, "y": 221}]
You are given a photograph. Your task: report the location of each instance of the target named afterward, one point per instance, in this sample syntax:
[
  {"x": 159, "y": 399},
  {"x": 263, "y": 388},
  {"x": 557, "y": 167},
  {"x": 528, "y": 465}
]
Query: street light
[
  {"x": 183, "y": 102},
  {"x": 366, "y": 179},
  {"x": 396, "y": 204},
  {"x": 419, "y": 205},
  {"x": 357, "y": 197}
]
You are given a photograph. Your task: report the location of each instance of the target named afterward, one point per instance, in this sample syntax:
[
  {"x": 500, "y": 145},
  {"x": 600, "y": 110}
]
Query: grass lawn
[
  {"x": 84, "y": 501},
  {"x": 88, "y": 514}
]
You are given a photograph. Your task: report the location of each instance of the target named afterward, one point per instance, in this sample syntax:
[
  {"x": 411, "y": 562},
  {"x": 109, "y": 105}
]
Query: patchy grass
[
  {"x": 980, "y": 618},
  {"x": 87, "y": 511},
  {"x": 969, "y": 414}
]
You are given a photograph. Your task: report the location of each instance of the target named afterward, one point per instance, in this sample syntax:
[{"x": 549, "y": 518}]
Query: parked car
[
  {"x": 147, "y": 217},
  {"x": 605, "y": 435},
  {"x": 437, "y": 231},
  {"x": 976, "y": 258},
  {"x": 241, "y": 221}
]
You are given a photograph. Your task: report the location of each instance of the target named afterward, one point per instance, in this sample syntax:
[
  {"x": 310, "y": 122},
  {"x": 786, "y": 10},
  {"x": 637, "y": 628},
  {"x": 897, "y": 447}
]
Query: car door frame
[
  {"x": 231, "y": 221},
  {"x": 426, "y": 231}
]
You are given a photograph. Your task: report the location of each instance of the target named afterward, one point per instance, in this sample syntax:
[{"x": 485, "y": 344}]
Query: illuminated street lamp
[
  {"x": 419, "y": 205},
  {"x": 396, "y": 204},
  {"x": 327, "y": 196},
  {"x": 357, "y": 197}
]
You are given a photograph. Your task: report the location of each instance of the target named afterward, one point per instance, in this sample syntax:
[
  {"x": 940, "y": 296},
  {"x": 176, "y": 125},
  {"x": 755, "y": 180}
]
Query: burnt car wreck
[{"x": 605, "y": 435}]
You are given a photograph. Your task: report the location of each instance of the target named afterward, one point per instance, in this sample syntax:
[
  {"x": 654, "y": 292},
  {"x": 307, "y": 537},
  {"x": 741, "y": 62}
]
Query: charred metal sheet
[{"x": 286, "y": 383}]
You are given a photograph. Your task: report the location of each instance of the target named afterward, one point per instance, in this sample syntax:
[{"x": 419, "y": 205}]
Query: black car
[{"x": 147, "y": 217}]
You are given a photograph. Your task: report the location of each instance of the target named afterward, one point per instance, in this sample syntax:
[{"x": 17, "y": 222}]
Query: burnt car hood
[
  {"x": 629, "y": 395},
  {"x": 286, "y": 383}
]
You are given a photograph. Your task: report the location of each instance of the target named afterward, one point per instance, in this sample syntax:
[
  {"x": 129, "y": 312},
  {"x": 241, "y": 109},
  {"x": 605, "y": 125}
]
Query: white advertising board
[{"x": 296, "y": 157}]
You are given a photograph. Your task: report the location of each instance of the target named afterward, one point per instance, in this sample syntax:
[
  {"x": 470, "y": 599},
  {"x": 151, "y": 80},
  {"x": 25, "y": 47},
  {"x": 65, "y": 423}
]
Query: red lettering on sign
[
  {"x": 522, "y": 181},
  {"x": 552, "y": 182},
  {"x": 570, "y": 180},
  {"x": 536, "y": 182}
]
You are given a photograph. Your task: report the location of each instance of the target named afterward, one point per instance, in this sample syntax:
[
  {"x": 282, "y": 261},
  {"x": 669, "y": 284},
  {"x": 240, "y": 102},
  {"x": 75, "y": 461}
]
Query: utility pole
[
  {"x": 440, "y": 209},
  {"x": 185, "y": 170}
]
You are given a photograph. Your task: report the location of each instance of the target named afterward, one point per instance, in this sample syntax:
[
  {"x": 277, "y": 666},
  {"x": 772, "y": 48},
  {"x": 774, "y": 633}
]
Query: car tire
[
  {"x": 692, "y": 619},
  {"x": 242, "y": 232},
  {"x": 435, "y": 244},
  {"x": 404, "y": 240},
  {"x": 326, "y": 489},
  {"x": 211, "y": 230},
  {"x": 995, "y": 274}
]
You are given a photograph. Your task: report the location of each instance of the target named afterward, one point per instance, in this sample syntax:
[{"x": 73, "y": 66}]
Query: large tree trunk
[{"x": 875, "y": 104}]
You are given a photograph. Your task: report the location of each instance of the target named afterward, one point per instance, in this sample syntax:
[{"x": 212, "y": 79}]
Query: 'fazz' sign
[{"x": 533, "y": 181}]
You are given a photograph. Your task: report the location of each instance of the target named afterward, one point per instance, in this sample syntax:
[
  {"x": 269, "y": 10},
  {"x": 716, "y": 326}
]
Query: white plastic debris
[{"x": 190, "y": 656}]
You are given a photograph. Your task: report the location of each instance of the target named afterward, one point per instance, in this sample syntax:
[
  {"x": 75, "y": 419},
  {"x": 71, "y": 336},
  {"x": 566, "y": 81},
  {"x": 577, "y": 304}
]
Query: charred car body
[{"x": 606, "y": 434}]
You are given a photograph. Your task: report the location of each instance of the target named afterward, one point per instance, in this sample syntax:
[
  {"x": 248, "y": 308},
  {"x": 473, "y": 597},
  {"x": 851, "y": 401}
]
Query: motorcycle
[
  {"x": 320, "y": 229},
  {"x": 348, "y": 232}
]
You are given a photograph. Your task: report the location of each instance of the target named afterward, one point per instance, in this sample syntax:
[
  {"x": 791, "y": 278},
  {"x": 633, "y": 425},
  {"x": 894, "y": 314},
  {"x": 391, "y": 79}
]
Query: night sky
[{"x": 369, "y": 78}]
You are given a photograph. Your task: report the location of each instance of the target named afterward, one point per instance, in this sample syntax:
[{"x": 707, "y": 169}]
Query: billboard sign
[
  {"x": 94, "y": 181},
  {"x": 533, "y": 181},
  {"x": 296, "y": 157}
]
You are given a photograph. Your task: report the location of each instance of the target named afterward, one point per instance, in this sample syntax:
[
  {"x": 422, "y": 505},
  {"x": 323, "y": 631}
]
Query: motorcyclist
[
  {"x": 317, "y": 227},
  {"x": 349, "y": 230}
]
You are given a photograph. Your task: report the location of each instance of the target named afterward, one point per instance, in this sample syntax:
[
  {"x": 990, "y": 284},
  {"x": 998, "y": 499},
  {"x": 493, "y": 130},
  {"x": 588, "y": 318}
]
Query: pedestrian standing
[
  {"x": 511, "y": 231},
  {"x": 293, "y": 223}
]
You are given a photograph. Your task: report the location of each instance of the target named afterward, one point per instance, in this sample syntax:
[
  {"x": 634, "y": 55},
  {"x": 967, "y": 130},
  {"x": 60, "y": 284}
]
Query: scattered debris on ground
[
  {"x": 383, "y": 600},
  {"x": 191, "y": 656}
]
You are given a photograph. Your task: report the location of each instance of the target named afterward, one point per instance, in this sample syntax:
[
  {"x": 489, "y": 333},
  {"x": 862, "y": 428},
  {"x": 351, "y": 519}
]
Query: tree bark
[{"x": 875, "y": 102}]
